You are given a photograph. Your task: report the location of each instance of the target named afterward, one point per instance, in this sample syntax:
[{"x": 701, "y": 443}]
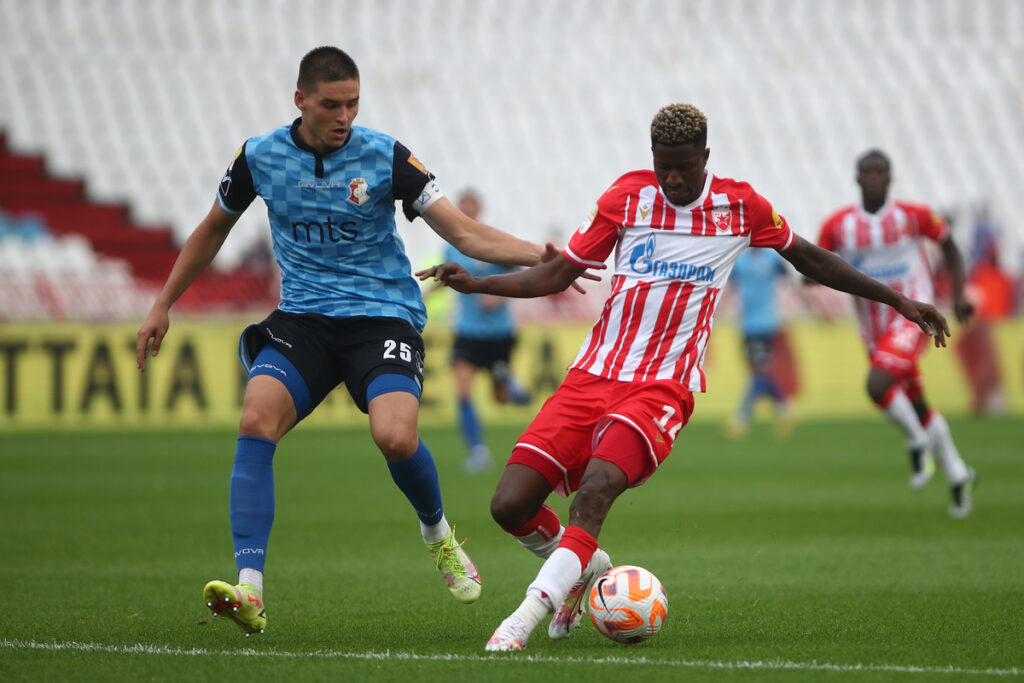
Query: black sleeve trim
[
  {"x": 237, "y": 190},
  {"x": 408, "y": 178}
]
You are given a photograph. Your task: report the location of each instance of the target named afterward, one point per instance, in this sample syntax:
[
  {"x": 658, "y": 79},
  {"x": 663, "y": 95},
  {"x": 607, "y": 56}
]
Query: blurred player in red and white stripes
[
  {"x": 884, "y": 239},
  {"x": 676, "y": 231}
]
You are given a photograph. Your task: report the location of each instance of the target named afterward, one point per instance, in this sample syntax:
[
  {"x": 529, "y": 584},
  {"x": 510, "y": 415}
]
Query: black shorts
[
  {"x": 759, "y": 348},
  {"x": 490, "y": 354},
  {"x": 328, "y": 351}
]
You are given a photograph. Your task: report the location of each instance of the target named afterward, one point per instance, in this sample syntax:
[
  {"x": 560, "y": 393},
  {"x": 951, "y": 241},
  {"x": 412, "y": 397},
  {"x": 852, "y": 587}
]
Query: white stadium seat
[{"x": 537, "y": 104}]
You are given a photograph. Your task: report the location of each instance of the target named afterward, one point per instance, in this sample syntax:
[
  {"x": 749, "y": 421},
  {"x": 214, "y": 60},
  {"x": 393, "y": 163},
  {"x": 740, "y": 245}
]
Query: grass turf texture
[{"x": 810, "y": 550}]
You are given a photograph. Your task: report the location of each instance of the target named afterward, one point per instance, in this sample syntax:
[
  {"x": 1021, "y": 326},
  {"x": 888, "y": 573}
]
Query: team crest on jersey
[
  {"x": 357, "y": 191},
  {"x": 722, "y": 218},
  {"x": 777, "y": 219}
]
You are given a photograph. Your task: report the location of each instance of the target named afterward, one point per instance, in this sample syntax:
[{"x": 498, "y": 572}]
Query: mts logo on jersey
[
  {"x": 323, "y": 232},
  {"x": 642, "y": 262}
]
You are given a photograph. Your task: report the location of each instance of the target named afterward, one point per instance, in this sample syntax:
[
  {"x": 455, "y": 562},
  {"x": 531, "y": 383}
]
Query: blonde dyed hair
[{"x": 679, "y": 124}]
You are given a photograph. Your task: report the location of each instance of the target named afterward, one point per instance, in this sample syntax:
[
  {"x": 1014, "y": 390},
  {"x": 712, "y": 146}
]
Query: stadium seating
[
  {"x": 539, "y": 105},
  {"x": 62, "y": 256}
]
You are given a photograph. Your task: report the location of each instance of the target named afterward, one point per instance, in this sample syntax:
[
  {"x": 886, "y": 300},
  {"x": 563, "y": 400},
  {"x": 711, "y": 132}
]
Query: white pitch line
[{"x": 775, "y": 664}]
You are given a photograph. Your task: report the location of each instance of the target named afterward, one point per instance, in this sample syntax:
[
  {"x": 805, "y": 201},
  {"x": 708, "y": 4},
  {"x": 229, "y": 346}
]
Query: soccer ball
[{"x": 628, "y": 604}]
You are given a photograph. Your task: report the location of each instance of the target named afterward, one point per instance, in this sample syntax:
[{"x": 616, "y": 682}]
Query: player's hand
[
  {"x": 927, "y": 318},
  {"x": 552, "y": 252},
  {"x": 154, "y": 327},
  {"x": 449, "y": 274},
  {"x": 963, "y": 309}
]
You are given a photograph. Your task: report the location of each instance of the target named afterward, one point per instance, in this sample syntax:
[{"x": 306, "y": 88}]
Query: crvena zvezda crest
[{"x": 723, "y": 219}]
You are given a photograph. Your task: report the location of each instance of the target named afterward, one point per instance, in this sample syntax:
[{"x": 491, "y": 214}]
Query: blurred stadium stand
[
  {"x": 539, "y": 105},
  {"x": 65, "y": 257}
]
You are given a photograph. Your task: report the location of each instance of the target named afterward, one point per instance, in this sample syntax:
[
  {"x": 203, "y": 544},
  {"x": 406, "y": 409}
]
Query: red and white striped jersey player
[
  {"x": 676, "y": 231},
  {"x": 885, "y": 240}
]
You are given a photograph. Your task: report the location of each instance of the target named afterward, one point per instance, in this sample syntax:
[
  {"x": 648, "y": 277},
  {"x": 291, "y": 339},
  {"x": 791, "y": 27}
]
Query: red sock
[
  {"x": 545, "y": 523},
  {"x": 580, "y": 542}
]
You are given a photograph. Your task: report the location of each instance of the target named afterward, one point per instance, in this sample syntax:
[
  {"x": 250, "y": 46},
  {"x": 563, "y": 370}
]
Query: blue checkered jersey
[
  {"x": 332, "y": 218},
  {"x": 755, "y": 276},
  {"x": 473, "y": 319}
]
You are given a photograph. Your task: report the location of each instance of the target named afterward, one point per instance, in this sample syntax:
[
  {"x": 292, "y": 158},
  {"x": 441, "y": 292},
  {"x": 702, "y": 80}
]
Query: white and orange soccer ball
[{"x": 628, "y": 604}]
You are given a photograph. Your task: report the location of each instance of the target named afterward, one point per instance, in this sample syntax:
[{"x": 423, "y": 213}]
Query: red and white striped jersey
[
  {"x": 671, "y": 262},
  {"x": 888, "y": 247}
]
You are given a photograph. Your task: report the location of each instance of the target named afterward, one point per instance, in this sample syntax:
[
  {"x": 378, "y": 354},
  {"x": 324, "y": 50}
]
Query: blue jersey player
[
  {"x": 756, "y": 277},
  {"x": 485, "y": 334},
  {"x": 350, "y": 309}
]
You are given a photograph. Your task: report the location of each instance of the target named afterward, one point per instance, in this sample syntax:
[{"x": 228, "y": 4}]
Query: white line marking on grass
[{"x": 142, "y": 649}]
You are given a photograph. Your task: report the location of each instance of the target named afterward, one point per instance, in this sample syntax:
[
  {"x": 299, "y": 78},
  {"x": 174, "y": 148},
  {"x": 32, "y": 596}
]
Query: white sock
[
  {"x": 532, "y": 611},
  {"x": 556, "y": 577},
  {"x": 253, "y": 577},
  {"x": 432, "y": 533},
  {"x": 901, "y": 411},
  {"x": 945, "y": 450},
  {"x": 539, "y": 544}
]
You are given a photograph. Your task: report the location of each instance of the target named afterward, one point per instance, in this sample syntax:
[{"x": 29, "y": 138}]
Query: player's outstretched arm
[
  {"x": 825, "y": 267},
  {"x": 549, "y": 277},
  {"x": 480, "y": 241},
  {"x": 197, "y": 253}
]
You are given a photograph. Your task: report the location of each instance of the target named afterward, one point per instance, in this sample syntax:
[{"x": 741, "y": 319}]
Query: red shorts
[
  {"x": 897, "y": 352},
  {"x": 561, "y": 439}
]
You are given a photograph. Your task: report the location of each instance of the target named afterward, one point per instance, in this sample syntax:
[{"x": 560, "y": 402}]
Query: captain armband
[{"x": 428, "y": 195}]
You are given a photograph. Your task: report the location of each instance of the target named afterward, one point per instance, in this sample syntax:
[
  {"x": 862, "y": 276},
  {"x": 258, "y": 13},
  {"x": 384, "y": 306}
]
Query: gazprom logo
[
  {"x": 642, "y": 262},
  {"x": 883, "y": 273}
]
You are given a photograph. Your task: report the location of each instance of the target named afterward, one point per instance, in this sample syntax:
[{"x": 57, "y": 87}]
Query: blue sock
[
  {"x": 251, "y": 500},
  {"x": 469, "y": 423},
  {"x": 517, "y": 393},
  {"x": 747, "y": 409},
  {"x": 765, "y": 385},
  {"x": 417, "y": 478}
]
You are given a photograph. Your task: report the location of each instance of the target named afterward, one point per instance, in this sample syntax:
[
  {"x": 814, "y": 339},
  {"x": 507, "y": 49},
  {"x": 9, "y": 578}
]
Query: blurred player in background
[
  {"x": 756, "y": 278},
  {"x": 884, "y": 239},
  {"x": 989, "y": 288},
  {"x": 350, "y": 309},
  {"x": 485, "y": 335},
  {"x": 676, "y": 232}
]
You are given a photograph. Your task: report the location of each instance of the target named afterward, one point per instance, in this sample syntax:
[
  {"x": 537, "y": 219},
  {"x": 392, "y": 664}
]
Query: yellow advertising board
[{"x": 55, "y": 375}]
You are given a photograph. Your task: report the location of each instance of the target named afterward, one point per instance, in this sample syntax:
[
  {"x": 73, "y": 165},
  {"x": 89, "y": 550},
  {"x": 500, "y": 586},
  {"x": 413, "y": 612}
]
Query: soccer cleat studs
[{"x": 245, "y": 602}]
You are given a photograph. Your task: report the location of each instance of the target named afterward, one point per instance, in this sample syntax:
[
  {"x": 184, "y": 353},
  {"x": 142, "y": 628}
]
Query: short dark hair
[
  {"x": 679, "y": 124},
  {"x": 324, "y": 65},
  {"x": 874, "y": 153}
]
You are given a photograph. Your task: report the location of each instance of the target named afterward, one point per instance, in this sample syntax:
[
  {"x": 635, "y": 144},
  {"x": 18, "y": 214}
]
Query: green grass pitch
[{"x": 803, "y": 559}]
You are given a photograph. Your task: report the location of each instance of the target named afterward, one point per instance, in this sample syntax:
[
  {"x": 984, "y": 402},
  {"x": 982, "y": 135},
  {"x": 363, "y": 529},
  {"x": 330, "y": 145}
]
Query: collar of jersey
[
  {"x": 318, "y": 167},
  {"x": 297, "y": 139}
]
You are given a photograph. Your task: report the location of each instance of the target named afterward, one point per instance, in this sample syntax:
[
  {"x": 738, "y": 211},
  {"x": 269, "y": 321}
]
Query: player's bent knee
[
  {"x": 397, "y": 444},
  {"x": 509, "y": 512},
  {"x": 877, "y": 389},
  {"x": 263, "y": 423}
]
